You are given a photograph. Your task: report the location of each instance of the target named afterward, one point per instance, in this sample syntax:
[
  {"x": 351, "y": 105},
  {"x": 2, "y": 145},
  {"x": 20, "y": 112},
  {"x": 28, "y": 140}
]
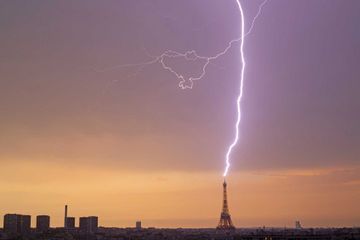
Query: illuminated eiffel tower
[{"x": 225, "y": 222}]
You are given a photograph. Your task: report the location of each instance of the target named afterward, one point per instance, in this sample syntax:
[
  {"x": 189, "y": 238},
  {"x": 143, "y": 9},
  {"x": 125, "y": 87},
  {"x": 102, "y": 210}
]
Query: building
[
  {"x": 42, "y": 223},
  {"x": 298, "y": 225},
  {"x": 25, "y": 224},
  {"x": 94, "y": 222},
  {"x": 17, "y": 224},
  {"x": 11, "y": 223},
  {"x": 65, "y": 216},
  {"x": 138, "y": 225},
  {"x": 70, "y": 222},
  {"x": 88, "y": 224}
]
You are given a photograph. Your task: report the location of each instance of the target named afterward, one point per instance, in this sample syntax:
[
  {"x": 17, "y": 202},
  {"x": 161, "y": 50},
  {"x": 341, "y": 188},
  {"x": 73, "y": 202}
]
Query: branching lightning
[{"x": 192, "y": 55}]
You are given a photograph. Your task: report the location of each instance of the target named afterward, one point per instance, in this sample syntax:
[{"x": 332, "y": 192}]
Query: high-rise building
[
  {"x": 42, "y": 223},
  {"x": 25, "y": 223},
  {"x": 11, "y": 223},
  {"x": 94, "y": 221},
  {"x": 16, "y": 223},
  {"x": 83, "y": 223},
  {"x": 138, "y": 225},
  {"x": 70, "y": 222},
  {"x": 88, "y": 224},
  {"x": 225, "y": 222}
]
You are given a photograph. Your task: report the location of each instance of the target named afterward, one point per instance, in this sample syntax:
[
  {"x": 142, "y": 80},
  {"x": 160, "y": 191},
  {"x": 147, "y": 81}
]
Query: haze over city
[{"x": 127, "y": 144}]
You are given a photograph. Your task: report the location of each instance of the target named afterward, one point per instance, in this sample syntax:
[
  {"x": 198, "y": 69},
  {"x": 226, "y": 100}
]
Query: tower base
[{"x": 225, "y": 222}]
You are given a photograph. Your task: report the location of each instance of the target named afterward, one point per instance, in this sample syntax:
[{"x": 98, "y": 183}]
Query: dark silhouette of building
[
  {"x": 42, "y": 223},
  {"x": 25, "y": 224},
  {"x": 298, "y": 225},
  {"x": 65, "y": 216},
  {"x": 83, "y": 223},
  {"x": 70, "y": 222},
  {"x": 11, "y": 223},
  {"x": 138, "y": 225},
  {"x": 16, "y": 223},
  {"x": 88, "y": 224},
  {"x": 225, "y": 222}
]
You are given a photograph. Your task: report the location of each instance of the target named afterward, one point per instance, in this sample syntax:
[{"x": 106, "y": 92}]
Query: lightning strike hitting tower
[{"x": 225, "y": 222}]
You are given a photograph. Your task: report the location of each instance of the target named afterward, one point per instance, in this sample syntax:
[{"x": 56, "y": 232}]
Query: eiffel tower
[{"x": 225, "y": 222}]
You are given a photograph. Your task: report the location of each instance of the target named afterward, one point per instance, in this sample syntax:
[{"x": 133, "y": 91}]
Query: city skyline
[
  {"x": 127, "y": 144},
  {"x": 15, "y": 223}
]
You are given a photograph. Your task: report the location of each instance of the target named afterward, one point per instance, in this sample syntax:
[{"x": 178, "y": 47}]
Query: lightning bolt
[
  {"x": 192, "y": 55},
  {"x": 238, "y": 101}
]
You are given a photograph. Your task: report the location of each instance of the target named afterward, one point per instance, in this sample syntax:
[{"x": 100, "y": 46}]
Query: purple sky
[{"x": 301, "y": 102}]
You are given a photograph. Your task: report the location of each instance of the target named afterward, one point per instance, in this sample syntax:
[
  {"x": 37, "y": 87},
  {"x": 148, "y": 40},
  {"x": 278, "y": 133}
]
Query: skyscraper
[
  {"x": 42, "y": 223},
  {"x": 25, "y": 224},
  {"x": 138, "y": 225},
  {"x": 88, "y": 224},
  {"x": 94, "y": 223},
  {"x": 70, "y": 222},
  {"x": 11, "y": 223},
  {"x": 225, "y": 222},
  {"x": 16, "y": 223}
]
